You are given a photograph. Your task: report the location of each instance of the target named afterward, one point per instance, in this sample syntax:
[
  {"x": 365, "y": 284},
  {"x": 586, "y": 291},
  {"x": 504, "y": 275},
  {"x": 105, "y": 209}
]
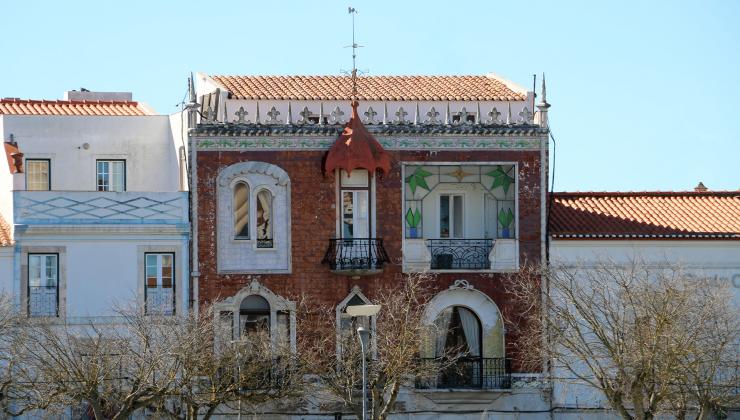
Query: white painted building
[
  {"x": 94, "y": 196},
  {"x": 696, "y": 230}
]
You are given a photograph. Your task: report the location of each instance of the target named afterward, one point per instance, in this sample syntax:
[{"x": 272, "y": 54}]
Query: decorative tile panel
[
  {"x": 389, "y": 143},
  {"x": 93, "y": 207}
]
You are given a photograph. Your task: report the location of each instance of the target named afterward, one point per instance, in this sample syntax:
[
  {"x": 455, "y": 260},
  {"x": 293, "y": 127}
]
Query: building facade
[
  {"x": 96, "y": 207},
  {"x": 698, "y": 231},
  {"x": 298, "y": 189}
]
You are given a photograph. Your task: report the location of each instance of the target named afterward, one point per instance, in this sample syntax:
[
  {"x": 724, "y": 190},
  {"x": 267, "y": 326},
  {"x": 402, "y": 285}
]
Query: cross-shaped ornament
[
  {"x": 240, "y": 114},
  {"x": 336, "y": 116},
  {"x": 370, "y": 114},
  {"x": 494, "y": 115},
  {"x": 272, "y": 116},
  {"x": 526, "y": 115},
  {"x": 432, "y": 114},
  {"x": 304, "y": 116},
  {"x": 463, "y": 116},
  {"x": 401, "y": 115}
]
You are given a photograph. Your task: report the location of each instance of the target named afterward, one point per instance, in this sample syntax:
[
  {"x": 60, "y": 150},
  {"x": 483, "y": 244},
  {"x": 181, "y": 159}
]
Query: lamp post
[{"x": 364, "y": 336}]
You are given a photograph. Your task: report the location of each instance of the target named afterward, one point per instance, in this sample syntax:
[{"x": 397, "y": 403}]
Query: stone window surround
[
  {"x": 277, "y": 304},
  {"x": 461, "y": 293},
  {"x": 225, "y": 181},
  {"x": 141, "y": 252},
  {"x": 371, "y": 201},
  {"x": 61, "y": 252},
  {"x": 356, "y": 291}
]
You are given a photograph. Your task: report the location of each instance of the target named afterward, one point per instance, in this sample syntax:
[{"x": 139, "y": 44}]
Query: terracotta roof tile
[
  {"x": 687, "y": 215},
  {"x": 5, "y": 237},
  {"x": 14, "y": 106},
  {"x": 371, "y": 88}
]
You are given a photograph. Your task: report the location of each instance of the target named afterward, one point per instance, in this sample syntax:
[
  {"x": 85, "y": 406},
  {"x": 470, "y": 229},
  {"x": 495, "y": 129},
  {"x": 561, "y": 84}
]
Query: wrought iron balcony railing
[
  {"x": 43, "y": 301},
  {"x": 468, "y": 373},
  {"x": 356, "y": 255},
  {"x": 460, "y": 254}
]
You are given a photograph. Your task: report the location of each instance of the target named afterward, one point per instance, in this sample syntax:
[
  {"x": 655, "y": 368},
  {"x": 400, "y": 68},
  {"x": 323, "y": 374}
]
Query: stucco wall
[
  {"x": 144, "y": 142},
  {"x": 710, "y": 258}
]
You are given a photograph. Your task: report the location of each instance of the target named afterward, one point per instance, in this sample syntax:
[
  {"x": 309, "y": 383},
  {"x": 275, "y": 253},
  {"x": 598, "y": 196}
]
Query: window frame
[
  {"x": 97, "y": 173},
  {"x": 28, "y": 283},
  {"x": 235, "y": 185},
  {"x": 451, "y": 214},
  {"x": 159, "y": 285},
  {"x": 259, "y": 242},
  {"x": 48, "y": 172},
  {"x": 353, "y": 189}
]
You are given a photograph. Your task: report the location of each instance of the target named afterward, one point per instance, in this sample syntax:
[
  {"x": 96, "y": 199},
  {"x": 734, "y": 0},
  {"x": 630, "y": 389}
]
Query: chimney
[{"x": 700, "y": 187}]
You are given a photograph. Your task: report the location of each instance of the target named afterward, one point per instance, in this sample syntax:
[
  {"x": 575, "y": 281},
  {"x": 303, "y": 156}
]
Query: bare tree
[
  {"x": 244, "y": 374},
  {"x": 651, "y": 339},
  {"x": 114, "y": 370},
  {"x": 12, "y": 386},
  {"x": 394, "y": 361}
]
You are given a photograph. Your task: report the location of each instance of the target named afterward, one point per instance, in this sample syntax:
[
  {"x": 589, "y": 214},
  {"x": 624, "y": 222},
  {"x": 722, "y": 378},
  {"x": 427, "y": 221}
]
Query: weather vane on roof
[{"x": 352, "y": 11}]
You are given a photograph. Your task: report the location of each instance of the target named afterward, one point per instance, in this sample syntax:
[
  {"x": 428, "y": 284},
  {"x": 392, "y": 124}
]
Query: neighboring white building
[
  {"x": 96, "y": 203},
  {"x": 698, "y": 230}
]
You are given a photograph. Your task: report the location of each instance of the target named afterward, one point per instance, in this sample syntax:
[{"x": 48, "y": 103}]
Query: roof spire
[
  {"x": 257, "y": 116},
  {"x": 385, "y": 113},
  {"x": 479, "y": 116},
  {"x": 447, "y": 114},
  {"x": 290, "y": 115},
  {"x": 416, "y": 115},
  {"x": 321, "y": 113},
  {"x": 543, "y": 106},
  {"x": 508, "y": 115},
  {"x": 352, "y": 11}
]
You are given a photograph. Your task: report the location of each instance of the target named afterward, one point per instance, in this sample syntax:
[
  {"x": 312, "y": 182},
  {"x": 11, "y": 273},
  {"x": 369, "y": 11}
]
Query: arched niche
[{"x": 462, "y": 294}]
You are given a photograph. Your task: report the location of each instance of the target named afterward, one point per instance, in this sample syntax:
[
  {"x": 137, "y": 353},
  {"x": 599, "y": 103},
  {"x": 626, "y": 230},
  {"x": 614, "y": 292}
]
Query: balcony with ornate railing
[
  {"x": 94, "y": 207},
  {"x": 467, "y": 373},
  {"x": 460, "y": 254},
  {"x": 356, "y": 257}
]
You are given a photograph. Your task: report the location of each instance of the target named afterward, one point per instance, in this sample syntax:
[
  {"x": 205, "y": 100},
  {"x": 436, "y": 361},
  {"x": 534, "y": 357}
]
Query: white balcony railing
[{"x": 93, "y": 207}]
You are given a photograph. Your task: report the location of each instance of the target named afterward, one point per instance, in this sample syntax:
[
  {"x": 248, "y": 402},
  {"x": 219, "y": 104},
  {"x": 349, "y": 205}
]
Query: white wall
[
  {"x": 103, "y": 272},
  {"x": 710, "y": 258},
  {"x": 145, "y": 142},
  {"x": 6, "y": 270}
]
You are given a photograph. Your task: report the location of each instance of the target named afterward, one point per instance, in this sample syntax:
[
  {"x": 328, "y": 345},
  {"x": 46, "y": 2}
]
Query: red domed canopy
[{"x": 357, "y": 148}]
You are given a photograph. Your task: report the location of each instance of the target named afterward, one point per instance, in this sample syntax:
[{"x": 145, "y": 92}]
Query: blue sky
[{"x": 644, "y": 94}]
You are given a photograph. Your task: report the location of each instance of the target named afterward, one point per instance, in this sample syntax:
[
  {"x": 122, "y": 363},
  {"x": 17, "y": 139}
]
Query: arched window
[
  {"x": 241, "y": 211},
  {"x": 264, "y": 219},
  {"x": 458, "y": 332},
  {"x": 254, "y": 315}
]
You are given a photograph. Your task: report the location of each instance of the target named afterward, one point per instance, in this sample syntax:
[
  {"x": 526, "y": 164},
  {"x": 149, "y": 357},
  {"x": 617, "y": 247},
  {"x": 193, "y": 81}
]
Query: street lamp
[{"x": 364, "y": 336}]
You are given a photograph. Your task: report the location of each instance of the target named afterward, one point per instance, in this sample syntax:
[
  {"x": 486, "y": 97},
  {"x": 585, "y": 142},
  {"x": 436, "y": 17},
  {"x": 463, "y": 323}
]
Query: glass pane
[
  {"x": 116, "y": 176},
  {"x": 264, "y": 215},
  {"x": 103, "y": 183},
  {"x": 347, "y": 215},
  {"x": 362, "y": 219},
  {"x": 444, "y": 216},
  {"x": 167, "y": 261},
  {"x": 151, "y": 281},
  {"x": 358, "y": 178},
  {"x": 457, "y": 217},
  {"x": 34, "y": 270},
  {"x": 241, "y": 210},
  {"x": 51, "y": 270},
  {"x": 37, "y": 175},
  {"x": 166, "y": 282}
]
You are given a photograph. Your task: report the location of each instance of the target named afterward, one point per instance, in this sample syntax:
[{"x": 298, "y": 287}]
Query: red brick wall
[{"x": 313, "y": 223}]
